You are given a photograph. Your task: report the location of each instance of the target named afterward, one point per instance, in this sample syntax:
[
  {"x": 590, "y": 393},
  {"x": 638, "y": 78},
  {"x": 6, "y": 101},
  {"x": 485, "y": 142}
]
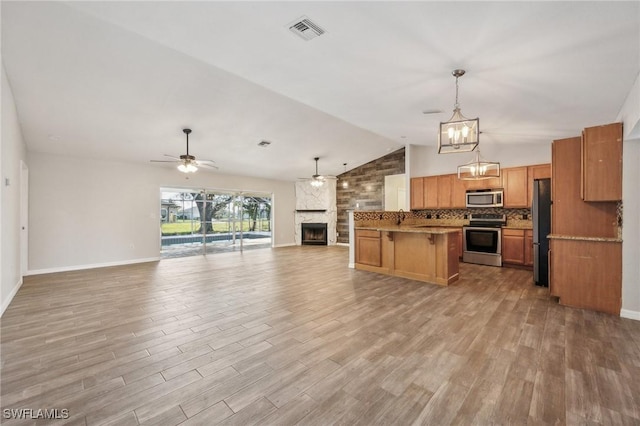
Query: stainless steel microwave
[{"x": 485, "y": 198}]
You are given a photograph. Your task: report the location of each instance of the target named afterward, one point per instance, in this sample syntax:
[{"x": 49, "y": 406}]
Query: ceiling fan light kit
[
  {"x": 458, "y": 134},
  {"x": 187, "y": 162}
]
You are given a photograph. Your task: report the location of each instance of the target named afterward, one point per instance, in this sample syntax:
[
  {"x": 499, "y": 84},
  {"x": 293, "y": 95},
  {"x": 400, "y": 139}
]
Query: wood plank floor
[{"x": 291, "y": 335}]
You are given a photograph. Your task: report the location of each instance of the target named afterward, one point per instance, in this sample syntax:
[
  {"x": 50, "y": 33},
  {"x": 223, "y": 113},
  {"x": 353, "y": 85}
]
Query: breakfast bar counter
[{"x": 422, "y": 253}]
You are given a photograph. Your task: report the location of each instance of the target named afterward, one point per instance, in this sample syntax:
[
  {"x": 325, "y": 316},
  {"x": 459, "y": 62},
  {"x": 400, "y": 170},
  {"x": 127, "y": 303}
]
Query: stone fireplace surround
[{"x": 316, "y": 205}]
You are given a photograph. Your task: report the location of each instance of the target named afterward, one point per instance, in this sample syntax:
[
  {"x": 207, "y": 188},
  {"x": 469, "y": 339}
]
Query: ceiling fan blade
[
  {"x": 164, "y": 161},
  {"x": 432, "y": 111},
  {"x": 171, "y": 156},
  {"x": 199, "y": 164}
]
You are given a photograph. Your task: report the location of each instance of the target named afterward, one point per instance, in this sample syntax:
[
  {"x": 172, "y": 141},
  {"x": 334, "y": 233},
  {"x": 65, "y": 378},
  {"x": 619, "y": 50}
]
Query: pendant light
[
  {"x": 458, "y": 134},
  {"x": 478, "y": 169}
]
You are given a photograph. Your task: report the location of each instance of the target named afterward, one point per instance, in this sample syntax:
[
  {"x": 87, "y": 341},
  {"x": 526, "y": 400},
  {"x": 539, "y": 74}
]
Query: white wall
[
  {"x": 86, "y": 213},
  {"x": 395, "y": 192},
  {"x": 12, "y": 152},
  {"x": 425, "y": 160},
  {"x": 630, "y": 116},
  {"x": 631, "y": 229}
]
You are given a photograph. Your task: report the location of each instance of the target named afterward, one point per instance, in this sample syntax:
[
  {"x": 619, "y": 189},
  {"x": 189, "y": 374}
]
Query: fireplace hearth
[{"x": 314, "y": 234}]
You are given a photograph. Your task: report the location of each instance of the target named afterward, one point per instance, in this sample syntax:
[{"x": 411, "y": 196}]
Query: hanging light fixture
[
  {"x": 458, "y": 134},
  {"x": 187, "y": 162},
  {"x": 478, "y": 169}
]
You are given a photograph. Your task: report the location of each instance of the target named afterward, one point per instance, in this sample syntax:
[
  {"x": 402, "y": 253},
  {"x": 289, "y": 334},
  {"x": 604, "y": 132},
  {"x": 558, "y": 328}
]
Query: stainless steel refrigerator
[{"x": 541, "y": 212}]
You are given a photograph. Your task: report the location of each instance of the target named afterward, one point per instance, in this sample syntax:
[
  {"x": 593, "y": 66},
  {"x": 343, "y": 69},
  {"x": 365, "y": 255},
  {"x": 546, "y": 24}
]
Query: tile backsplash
[{"x": 462, "y": 215}]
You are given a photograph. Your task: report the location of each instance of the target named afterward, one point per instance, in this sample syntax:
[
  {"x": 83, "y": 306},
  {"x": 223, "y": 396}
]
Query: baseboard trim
[
  {"x": 285, "y": 245},
  {"x": 13, "y": 293},
  {"x": 91, "y": 266},
  {"x": 627, "y": 313},
  {"x": 352, "y": 265}
]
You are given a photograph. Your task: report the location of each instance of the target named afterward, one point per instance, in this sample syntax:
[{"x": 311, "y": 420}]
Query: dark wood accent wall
[{"x": 364, "y": 186}]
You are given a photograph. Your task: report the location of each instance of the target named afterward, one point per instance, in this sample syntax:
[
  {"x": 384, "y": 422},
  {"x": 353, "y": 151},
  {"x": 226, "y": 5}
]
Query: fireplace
[{"x": 314, "y": 234}]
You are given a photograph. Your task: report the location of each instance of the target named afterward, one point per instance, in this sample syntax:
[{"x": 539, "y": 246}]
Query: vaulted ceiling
[{"x": 119, "y": 80}]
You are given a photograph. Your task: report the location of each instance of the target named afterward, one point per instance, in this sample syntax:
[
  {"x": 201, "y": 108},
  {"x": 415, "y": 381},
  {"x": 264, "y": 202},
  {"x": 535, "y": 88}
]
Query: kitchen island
[{"x": 422, "y": 253}]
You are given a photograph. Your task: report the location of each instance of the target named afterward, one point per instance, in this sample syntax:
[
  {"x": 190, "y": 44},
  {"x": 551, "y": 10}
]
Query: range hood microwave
[{"x": 485, "y": 198}]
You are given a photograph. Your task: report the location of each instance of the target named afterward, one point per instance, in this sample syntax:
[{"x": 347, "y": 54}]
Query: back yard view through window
[{"x": 196, "y": 222}]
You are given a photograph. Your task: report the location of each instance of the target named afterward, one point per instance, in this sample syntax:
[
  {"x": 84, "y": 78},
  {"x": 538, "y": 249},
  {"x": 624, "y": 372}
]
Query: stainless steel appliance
[
  {"x": 541, "y": 212},
  {"x": 482, "y": 239},
  {"x": 485, "y": 198}
]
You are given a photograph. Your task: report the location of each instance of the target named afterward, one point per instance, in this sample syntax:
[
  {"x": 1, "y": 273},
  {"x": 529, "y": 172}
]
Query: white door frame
[{"x": 24, "y": 218}]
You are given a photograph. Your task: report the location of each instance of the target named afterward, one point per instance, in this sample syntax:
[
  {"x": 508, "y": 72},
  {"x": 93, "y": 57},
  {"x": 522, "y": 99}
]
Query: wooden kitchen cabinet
[
  {"x": 587, "y": 274},
  {"x": 539, "y": 171},
  {"x": 445, "y": 191},
  {"x": 515, "y": 180},
  {"x": 528, "y": 247},
  {"x": 491, "y": 183},
  {"x": 368, "y": 247},
  {"x": 601, "y": 155},
  {"x": 458, "y": 193},
  {"x": 513, "y": 246},
  {"x": 570, "y": 215},
  {"x": 417, "y": 193},
  {"x": 460, "y": 243},
  {"x": 430, "y": 194}
]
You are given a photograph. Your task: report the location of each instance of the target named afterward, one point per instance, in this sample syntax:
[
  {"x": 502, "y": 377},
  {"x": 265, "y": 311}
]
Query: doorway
[{"x": 199, "y": 221}]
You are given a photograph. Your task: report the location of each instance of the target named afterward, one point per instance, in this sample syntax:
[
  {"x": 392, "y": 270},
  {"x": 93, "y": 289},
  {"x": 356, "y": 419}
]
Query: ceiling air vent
[
  {"x": 264, "y": 144},
  {"x": 305, "y": 28}
]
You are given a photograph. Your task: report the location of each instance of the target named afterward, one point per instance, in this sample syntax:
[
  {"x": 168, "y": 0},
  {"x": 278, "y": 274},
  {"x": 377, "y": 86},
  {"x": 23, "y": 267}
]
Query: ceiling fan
[
  {"x": 318, "y": 179},
  {"x": 187, "y": 162}
]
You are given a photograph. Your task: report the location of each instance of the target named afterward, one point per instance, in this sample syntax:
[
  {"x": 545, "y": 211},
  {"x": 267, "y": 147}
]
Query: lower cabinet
[
  {"x": 368, "y": 247},
  {"x": 587, "y": 274},
  {"x": 528, "y": 247},
  {"x": 460, "y": 243},
  {"x": 513, "y": 250}
]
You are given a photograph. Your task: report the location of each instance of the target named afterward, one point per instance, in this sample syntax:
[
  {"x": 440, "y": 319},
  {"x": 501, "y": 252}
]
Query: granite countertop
[
  {"x": 579, "y": 238},
  {"x": 422, "y": 229},
  {"x": 518, "y": 224}
]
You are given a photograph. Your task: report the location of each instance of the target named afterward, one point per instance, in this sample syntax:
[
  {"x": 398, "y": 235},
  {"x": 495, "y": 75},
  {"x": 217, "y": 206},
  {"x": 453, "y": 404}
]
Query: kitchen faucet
[{"x": 400, "y": 217}]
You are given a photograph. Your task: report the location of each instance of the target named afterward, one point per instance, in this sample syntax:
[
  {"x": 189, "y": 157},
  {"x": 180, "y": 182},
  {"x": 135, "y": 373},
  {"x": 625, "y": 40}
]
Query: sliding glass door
[{"x": 198, "y": 221}]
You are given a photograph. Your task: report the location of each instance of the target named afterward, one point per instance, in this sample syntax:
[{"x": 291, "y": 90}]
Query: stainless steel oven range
[{"x": 482, "y": 239}]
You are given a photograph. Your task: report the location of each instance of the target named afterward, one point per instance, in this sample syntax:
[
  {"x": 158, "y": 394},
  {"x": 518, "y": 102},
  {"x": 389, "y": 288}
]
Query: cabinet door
[
  {"x": 430, "y": 192},
  {"x": 513, "y": 246},
  {"x": 458, "y": 193},
  {"x": 417, "y": 193},
  {"x": 491, "y": 183},
  {"x": 460, "y": 246},
  {"x": 539, "y": 171},
  {"x": 515, "y": 187},
  {"x": 602, "y": 163},
  {"x": 570, "y": 215},
  {"x": 445, "y": 189},
  {"x": 368, "y": 248},
  {"x": 528, "y": 247}
]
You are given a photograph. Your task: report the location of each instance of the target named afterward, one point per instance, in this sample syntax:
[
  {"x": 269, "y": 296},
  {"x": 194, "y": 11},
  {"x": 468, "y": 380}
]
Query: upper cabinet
[
  {"x": 445, "y": 191},
  {"x": 417, "y": 193},
  {"x": 515, "y": 182},
  {"x": 601, "y": 154},
  {"x": 458, "y": 193},
  {"x": 518, "y": 184},
  {"x": 491, "y": 183},
  {"x": 570, "y": 215},
  {"x": 540, "y": 171},
  {"x": 430, "y": 192}
]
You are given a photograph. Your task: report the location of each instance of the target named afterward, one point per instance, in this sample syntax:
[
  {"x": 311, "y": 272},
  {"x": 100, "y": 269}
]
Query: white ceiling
[{"x": 119, "y": 80}]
